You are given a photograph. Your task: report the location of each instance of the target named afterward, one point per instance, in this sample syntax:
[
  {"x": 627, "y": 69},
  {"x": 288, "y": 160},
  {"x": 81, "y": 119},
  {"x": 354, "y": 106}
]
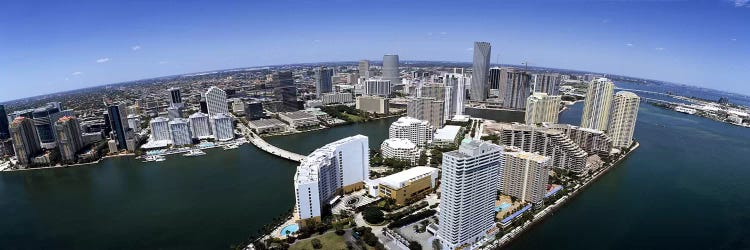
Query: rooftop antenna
[{"x": 526, "y": 65}]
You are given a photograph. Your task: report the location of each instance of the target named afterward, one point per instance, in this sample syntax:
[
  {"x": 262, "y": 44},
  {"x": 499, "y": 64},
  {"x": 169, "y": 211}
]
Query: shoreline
[{"x": 548, "y": 211}]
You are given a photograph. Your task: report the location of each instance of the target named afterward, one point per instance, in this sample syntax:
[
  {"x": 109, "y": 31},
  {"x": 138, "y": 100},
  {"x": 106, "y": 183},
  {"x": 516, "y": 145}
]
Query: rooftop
[
  {"x": 397, "y": 143},
  {"x": 297, "y": 115},
  {"x": 400, "y": 179},
  {"x": 447, "y": 133},
  {"x": 262, "y": 123}
]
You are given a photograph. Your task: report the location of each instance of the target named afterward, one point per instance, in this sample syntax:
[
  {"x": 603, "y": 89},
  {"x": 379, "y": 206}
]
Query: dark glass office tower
[
  {"x": 118, "y": 127},
  {"x": 4, "y": 131}
]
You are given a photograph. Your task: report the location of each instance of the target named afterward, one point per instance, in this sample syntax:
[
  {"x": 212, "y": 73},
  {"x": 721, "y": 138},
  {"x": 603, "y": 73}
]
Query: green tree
[
  {"x": 316, "y": 244},
  {"x": 413, "y": 245},
  {"x": 373, "y": 215}
]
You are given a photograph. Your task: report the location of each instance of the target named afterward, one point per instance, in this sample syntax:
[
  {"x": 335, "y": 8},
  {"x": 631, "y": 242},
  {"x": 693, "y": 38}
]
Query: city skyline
[{"x": 49, "y": 51}]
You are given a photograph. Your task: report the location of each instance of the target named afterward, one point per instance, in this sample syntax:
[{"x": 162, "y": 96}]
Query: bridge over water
[{"x": 258, "y": 141}]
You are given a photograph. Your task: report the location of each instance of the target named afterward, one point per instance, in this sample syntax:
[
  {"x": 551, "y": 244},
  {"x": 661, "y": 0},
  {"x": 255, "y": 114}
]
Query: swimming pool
[
  {"x": 287, "y": 230},
  {"x": 502, "y": 207}
]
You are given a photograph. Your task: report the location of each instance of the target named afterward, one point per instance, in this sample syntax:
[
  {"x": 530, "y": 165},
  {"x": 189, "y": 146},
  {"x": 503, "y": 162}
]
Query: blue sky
[{"x": 50, "y": 46}]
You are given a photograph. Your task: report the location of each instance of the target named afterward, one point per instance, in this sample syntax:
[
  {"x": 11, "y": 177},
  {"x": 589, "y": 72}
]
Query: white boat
[
  {"x": 231, "y": 146},
  {"x": 194, "y": 152},
  {"x": 686, "y": 110},
  {"x": 154, "y": 158}
]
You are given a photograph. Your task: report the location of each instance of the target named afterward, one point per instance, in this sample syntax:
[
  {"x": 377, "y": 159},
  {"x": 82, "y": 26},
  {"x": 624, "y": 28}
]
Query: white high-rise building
[
  {"x": 417, "y": 131},
  {"x": 134, "y": 122},
  {"x": 469, "y": 190},
  {"x": 364, "y": 69},
  {"x": 622, "y": 120},
  {"x": 596, "y": 108},
  {"x": 457, "y": 83},
  {"x": 222, "y": 126},
  {"x": 199, "y": 125},
  {"x": 542, "y": 108},
  {"x": 160, "y": 129},
  {"x": 340, "y": 166},
  {"x": 525, "y": 175},
  {"x": 216, "y": 101},
  {"x": 401, "y": 149},
  {"x": 180, "y": 130},
  {"x": 378, "y": 87}
]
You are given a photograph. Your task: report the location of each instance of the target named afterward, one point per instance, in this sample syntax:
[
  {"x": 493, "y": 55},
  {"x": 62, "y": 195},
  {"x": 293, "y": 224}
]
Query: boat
[
  {"x": 231, "y": 146},
  {"x": 194, "y": 152},
  {"x": 154, "y": 158},
  {"x": 686, "y": 110}
]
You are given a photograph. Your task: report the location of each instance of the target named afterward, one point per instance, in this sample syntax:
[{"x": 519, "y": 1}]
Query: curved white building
[
  {"x": 401, "y": 149},
  {"x": 340, "y": 166},
  {"x": 622, "y": 120},
  {"x": 160, "y": 129},
  {"x": 222, "y": 127},
  {"x": 199, "y": 125},
  {"x": 417, "y": 131},
  {"x": 180, "y": 130}
]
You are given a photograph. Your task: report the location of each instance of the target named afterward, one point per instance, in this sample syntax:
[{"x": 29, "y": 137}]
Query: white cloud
[
  {"x": 734, "y": 39},
  {"x": 469, "y": 49},
  {"x": 629, "y": 44},
  {"x": 77, "y": 73},
  {"x": 134, "y": 48},
  {"x": 605, "y": 21},
  {"x": 67, "y": 78},
  {"x": 741, "y": 3},
  {"x": 429, "y": 33},
  {"x": 443, "y": 33},
  {"x": 102, "y": 60},
  {"x": 659, "y": 48},
  {"x": 316, "y": 41},
  {"x": 163, "y": 62}
]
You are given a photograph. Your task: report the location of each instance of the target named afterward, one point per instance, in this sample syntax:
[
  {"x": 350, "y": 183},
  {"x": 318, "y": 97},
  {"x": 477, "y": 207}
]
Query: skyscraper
[
  {"x": 119, "y": 122},
  {"x": 44, "y": 119},
  {"x": 25, "y": 140},
  {"x": 547, "y": 83},
  {"x": 285, "y": 91},
  {"x": 469, "y": 189},
  {"x": 160, "y": 129},
  {"x": 4, "y": 129},
  {"x": 494, "y": 77},
  {"x": 517, "y": 89},
  {"x": 175, "y": 99},
  {"x": 338, "y": 167},
  {"x": 480, "y": 70},
  {"x": 378, "y": 87},
  {"x": 222, "y": 126},
  {"x": 216, "y": 101},
  {"x": 364, "y": 69},
  {"x": 180, "y": 132},
  {"x": 69, "y": 139},
  {"x": 390, "y": 69},
  {"x": 427, "y": 109},
  {"x": 323, "y": 81},
  {"x": 596, "y": 108},
  {"x": 622, "y": 120},
  {"x": 525, "y": 175},
  {"x": 542, "y": 108},
  {"x": 457, "y": 83},
  {"x": 199, "y": 125}
]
